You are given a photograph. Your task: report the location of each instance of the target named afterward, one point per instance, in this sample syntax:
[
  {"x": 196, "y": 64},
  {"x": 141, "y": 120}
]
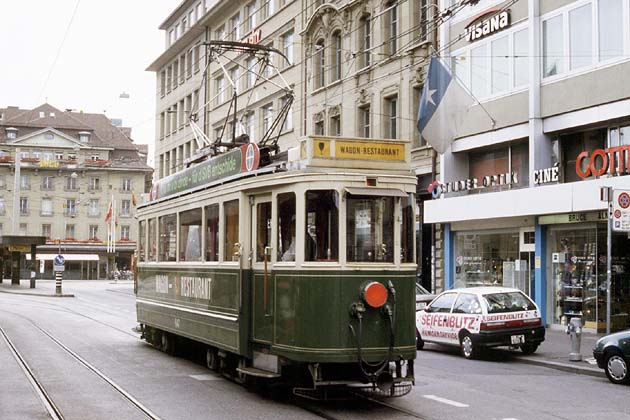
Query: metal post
[
  {"x": 608, "y": 260},
  {"x": 58, "y": 279},
  {"x": 33, "y": 265}
]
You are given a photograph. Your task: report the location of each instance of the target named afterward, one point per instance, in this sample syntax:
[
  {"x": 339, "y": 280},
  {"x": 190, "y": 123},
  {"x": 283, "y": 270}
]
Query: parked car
[
  {"x": 612, "y": 353},
  {"x": 423, "y": 297},
  {"x": 478, "y": 317}
]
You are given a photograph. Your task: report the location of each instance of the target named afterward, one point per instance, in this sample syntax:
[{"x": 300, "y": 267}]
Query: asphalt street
[{"x": 97, "y": 325}]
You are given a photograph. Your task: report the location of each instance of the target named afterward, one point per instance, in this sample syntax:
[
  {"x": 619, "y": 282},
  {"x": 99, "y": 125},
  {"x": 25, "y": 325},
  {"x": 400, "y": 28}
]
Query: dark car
[{"x": 612, "y": 353}]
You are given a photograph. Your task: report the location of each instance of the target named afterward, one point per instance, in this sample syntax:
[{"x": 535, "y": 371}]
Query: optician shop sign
[{"x": 495, "y": 20}]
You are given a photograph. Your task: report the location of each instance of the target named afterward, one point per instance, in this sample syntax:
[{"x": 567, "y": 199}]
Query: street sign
[
  {"x": 59, "y": 262},
  {"x": 621, "y": 211}
]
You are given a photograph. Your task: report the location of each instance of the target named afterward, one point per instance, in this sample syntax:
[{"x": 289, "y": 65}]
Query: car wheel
[
  {"x": 419, "y": 341},
  {"x": 617, "y": 369},
  {"x": 529, "y": 348},
  {"x": 468, "y": 347}
]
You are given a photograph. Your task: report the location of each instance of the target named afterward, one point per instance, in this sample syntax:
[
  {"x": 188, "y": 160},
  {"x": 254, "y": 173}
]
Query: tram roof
[{"x": 318, "y": 154}]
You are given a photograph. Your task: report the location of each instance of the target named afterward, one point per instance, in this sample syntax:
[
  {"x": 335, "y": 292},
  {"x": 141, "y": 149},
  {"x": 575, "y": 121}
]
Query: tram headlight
[{"x": 374, "y": 294}]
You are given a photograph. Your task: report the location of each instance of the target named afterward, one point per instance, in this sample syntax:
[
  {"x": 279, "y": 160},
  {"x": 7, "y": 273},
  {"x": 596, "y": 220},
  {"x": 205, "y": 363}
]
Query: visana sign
[
  {"x": 613, "y": 161},
  {"x": 485, "y": 27}
]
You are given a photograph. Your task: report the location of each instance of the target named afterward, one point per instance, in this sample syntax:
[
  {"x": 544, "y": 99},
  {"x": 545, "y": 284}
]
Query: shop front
[{"x": 576, "y": 271}]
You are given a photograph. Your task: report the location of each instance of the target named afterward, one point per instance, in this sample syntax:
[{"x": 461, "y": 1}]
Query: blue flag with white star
[{"x": 443, "y": 106}]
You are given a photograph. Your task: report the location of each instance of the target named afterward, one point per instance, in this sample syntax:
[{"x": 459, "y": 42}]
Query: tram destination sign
[{"x": 245, "y": 158}]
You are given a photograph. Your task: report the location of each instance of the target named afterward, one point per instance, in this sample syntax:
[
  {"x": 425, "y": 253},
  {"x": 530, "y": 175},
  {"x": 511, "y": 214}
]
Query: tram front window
[
  {"x": 286, "y": 227},
  {"x": 142, "y": 240},
  {"x": 152, "y": 240},
  {"x": 263, "y": 229},
  {"x": 322, "y": 226},
  {"x": 190, "y": 235},
  {"x": 168, "y": 238},
  {"x": 212, "y": 232},
  {"x": 370, "y": 229},
  {"x": 230, "y": 210}
]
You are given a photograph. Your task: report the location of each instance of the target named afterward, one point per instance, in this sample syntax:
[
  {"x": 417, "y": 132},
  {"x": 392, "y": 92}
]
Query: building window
[
  {"x": 423, "y": 17},
  {"x": 366, "y": 41},
  {"x": 189, "y": 63},
  {"x": 93, "y": 232},
  {"x": 336, "y": 57},
  {"x": 181, "y": 115},
  {"x": 319, "y": 64},
  {"x": 250, "y": 12},
  {"x": 318, "y": 128},
  {"x": 235, "y": 27},
  {"x": 269, "y": 68},
  {"x": 267, "y": 8},
  {"x": 125, "y": 207},
  {"x": 11, "y": 133},
  {"x": 234, "y": 81},
  {"x": 500, "y": 64},
  {"x": 553, "y": 50},
  {"x": 364, "y": 121},
  {"x": 391, "y": 123},
  {"x": 126, "y": 185},
  {"x": 251, "y": 74},
  {"x": 220, "y": 88},
  {"x": 182, "y": 68},
  {"x": 23, "y": 206},
  {"x": 335, "y": 123},
  {"x": 250, "y": 126},
  {"x": 490, "y": 163},
  {"x": 521, "y": 58},
  {"x": 3, "y": 208},
  {"x": 59, "y": 155},
  {"x": 46, "y": 231},
  {"x": 288, "y": 121},
  {"x": 219, "y": 33},
  {"x": 25, "y": 182},
  {"x": 287, "y": 47},
  {"x": 162, "y": 83},
  {"x": 47, "y": 207},
  {"x": 580, "y": 37},
  {"x": 95, "y": 184},
  {"x": 267, "y": 113},
  {"x": 71, "y": 183},
  {"x": 71, "y": 207},
  {"x": 124, "y": 232},
  {"x": 611, "y": 19},
  {"x": 69, "y": 231},
  {"x": 93, "y": 208},
  {"x": 84, "y": 137},
  {"x": 196, "y": 58},
  {"x": 162, "y": 124},
  {"x": 392, "y": 28}
]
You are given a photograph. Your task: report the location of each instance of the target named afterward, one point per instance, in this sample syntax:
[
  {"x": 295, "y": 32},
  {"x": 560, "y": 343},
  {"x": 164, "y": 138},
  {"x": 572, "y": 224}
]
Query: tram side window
[
  {"x": 230, "y": 209},
  {"x": 190, "y": 235},
  {"x": 322, "y": 226},
  {"x": 167, "y": 226},
  {"x": 142, "y": 240},
  {"x": 406, "y": 230},
  {"x": 370, "y": 229},
  {"x": 263, "y": 229},
  {"x": 286, "y": 227},
  {"x": 212, "y": 232},
  {"x": 152, "y": 240}
]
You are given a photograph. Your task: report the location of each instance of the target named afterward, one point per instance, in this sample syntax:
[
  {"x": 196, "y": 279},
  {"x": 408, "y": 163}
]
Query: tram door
[{"x": 260, "y": 267}]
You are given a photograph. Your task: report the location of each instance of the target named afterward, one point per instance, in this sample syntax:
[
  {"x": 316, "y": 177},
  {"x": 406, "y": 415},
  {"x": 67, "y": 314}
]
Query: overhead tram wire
[{"x": 65, "y": 35}]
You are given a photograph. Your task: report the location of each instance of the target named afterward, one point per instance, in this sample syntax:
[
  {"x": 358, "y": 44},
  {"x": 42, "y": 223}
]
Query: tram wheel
[
  {"x": 212, "y": 359},
  {"x": 167, "y": 343}
]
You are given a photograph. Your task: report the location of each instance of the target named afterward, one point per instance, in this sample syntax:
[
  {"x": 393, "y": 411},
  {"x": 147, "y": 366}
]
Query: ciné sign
[{"x": 495, "y": 22}]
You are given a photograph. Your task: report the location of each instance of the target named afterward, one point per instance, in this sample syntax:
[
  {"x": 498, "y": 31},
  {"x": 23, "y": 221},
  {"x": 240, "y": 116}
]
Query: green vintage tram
[{"x": 298, "y": 268}]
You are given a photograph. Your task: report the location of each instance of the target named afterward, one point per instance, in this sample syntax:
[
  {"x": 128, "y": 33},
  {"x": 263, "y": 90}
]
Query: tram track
[{"x": 52, "y": 409}]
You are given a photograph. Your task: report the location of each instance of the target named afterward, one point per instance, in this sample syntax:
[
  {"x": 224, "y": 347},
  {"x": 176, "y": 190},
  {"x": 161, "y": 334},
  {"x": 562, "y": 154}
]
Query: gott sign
[{"x": 602, "y": 162}]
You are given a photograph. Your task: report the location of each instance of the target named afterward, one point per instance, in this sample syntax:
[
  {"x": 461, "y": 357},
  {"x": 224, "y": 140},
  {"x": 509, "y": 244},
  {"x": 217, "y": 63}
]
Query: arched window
[
  {"x": 365, "y": 40},
  {"x": 319, "y": 64},
  {"x": 336, "y": 56}
]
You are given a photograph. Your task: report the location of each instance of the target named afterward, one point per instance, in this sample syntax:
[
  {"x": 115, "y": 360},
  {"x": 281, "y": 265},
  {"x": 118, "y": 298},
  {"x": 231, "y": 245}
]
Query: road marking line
[
  {"x": 205, "y": 377},
  {"x": 445, "y": 401},
  {"x": 509, "y": 418}
]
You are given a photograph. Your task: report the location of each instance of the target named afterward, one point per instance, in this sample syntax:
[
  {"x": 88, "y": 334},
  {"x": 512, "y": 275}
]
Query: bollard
[
  {"x": 574, "y": 329},
  {"x": 58, "y": 278}
]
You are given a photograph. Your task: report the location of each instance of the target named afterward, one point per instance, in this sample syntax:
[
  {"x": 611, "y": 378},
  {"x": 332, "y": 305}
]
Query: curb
[
  {"x": 38, "y": 294},
  {"x": 565, "y": 367}
]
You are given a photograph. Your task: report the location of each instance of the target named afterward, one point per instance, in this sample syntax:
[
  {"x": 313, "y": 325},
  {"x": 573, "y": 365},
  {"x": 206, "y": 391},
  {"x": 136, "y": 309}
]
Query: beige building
[
  {"x": 71, "y": 165},
  {"x": 356, "y": 70}
]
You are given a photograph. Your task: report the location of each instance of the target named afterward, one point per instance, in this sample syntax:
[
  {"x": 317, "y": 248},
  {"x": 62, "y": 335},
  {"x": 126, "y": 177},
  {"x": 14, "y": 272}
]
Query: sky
[{"x": 108, "y": 45}]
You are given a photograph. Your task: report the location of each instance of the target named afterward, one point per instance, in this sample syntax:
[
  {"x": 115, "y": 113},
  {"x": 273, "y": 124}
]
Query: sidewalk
[
  {"x": 554, "y": 353},
  {"x": 42, "y": 288}
]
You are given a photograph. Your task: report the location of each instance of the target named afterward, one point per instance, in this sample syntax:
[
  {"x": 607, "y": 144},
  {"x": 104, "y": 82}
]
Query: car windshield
[
  {"x": 421, "y": 290},
  {"x": 507, "y": 302}
]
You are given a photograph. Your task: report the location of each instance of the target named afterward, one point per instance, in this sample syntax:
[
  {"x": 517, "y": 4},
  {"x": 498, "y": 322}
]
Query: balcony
[{"x": 70, "y": 213}]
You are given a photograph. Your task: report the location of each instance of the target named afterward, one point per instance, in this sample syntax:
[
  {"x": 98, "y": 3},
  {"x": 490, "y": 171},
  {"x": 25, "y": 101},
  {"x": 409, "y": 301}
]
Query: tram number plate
[{"x": 518, "y": 339}]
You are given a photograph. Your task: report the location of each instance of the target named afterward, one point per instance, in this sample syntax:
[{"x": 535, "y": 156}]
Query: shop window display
[{"x": 489, "y": 259}]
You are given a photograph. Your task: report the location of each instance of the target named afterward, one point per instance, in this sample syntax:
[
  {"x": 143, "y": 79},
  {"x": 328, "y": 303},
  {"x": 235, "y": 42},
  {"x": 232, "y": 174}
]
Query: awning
[
  {"x": 377, "y": 192},
  {"x": 67, "y": 257}
]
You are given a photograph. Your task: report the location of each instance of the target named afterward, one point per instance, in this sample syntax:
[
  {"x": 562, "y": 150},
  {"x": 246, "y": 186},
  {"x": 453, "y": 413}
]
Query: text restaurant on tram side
[{"x": 296, "y": 267}]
